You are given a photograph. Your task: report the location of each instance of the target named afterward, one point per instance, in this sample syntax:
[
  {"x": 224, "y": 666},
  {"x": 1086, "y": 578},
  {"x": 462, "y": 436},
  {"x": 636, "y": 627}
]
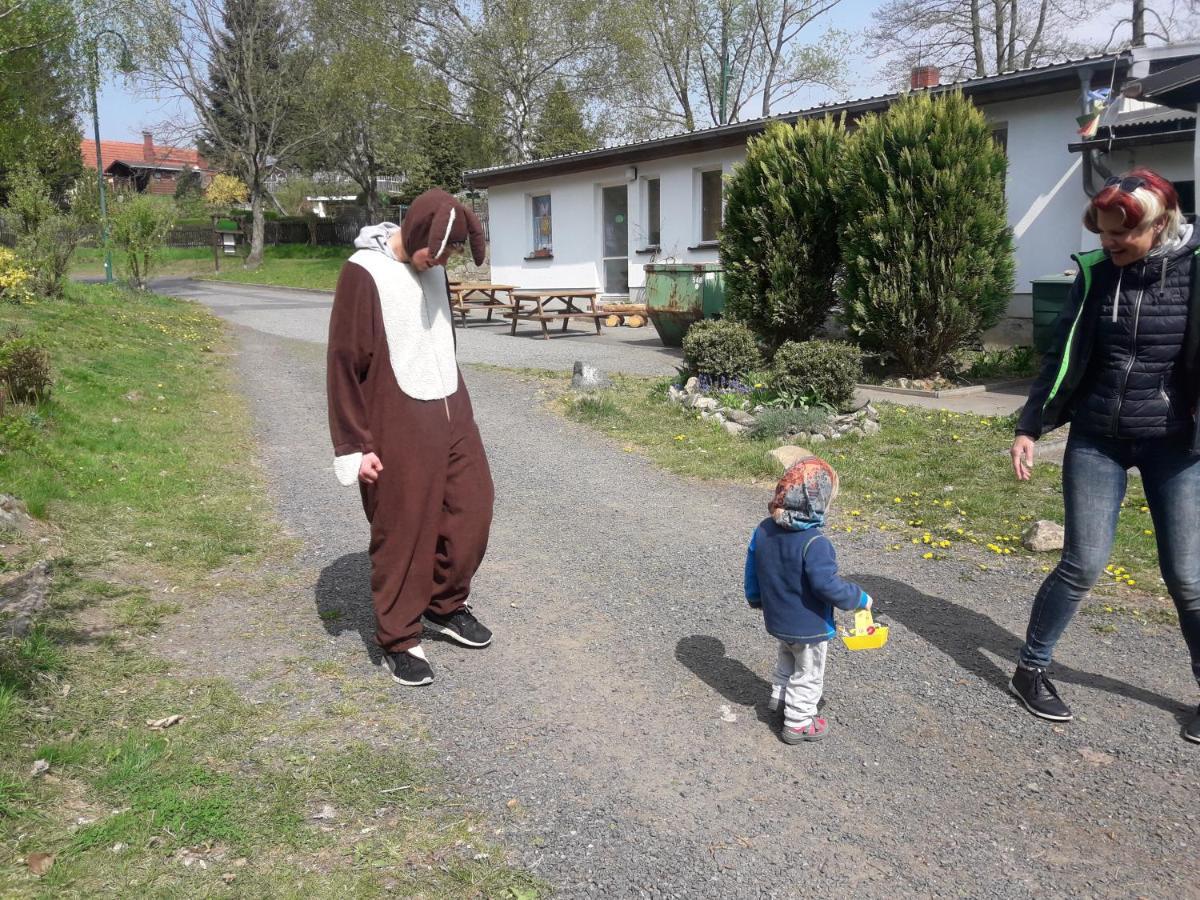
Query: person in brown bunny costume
[{"x": 404, "y": 431}]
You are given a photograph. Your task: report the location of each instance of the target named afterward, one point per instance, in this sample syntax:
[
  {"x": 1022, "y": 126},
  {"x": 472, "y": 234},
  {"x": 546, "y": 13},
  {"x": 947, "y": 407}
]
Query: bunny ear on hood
[{"x": 435, "y": 220}]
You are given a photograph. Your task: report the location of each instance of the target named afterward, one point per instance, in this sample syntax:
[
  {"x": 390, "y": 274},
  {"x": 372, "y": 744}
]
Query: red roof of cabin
[{"x": 133, "y": 152}]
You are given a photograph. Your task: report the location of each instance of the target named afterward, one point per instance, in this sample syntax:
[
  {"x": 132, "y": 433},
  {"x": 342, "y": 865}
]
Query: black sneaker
[
  {"x": 1192, "y": 732},
  {"x": 410, "y": 667},
  {"x": 460, "y": 626},
  {"x": 1033, "y": 688}
]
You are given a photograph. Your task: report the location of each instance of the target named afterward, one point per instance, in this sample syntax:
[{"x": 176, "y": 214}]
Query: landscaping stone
[
  {"x": 734, "y": 428},
  {"x": 22, "y": 598},
  {"x": 817, "y": 438},
  {"x": 740, "y": 416},
  {"x": 707, "y": 404},
  {"x": 870, "y": 427},
  {"x": 586, "y": 377},
  {"x": 789, "y": 455},
  {"x": 13, "y": 514},
  {"x": 692, "y": 386},
  {"x": 1043, "y": 536}
]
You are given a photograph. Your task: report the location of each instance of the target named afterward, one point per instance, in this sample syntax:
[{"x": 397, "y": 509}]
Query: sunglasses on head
[{"x": 1128, "y": 184}]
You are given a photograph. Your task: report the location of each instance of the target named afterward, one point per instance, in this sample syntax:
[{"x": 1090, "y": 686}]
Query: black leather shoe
[
  {"x": 1033, "y": 688},
  {"x": 460, "y": 626}
]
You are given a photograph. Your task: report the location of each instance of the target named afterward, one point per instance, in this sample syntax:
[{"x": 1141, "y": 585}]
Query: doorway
[{"x": 615, "y": 243}]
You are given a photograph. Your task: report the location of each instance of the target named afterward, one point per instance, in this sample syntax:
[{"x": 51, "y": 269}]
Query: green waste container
[
  {"x": 678, "y": 294},
  {"x": 1049, "y": 297}
]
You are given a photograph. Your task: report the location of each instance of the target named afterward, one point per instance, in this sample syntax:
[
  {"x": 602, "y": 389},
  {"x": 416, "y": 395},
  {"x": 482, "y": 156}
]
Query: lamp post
[{"x": 126, "y": 65}]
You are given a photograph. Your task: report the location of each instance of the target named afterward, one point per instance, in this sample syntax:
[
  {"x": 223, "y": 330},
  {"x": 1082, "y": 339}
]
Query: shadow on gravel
[
  {"x": 963, "y": 634},
  {"x": 343, "y": 599},
  {"x": 729, "y": 677}
]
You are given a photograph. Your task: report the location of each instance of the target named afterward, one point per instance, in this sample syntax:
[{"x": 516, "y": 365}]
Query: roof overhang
[
  {"x": 1177, "y": 87},
  {"x": 1044, "y": 80},
  {"x": 147, "y": 166}
]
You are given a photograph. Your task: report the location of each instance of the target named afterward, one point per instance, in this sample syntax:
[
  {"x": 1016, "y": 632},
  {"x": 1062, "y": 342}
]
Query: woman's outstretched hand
[{"x": 1022, "y": 457}]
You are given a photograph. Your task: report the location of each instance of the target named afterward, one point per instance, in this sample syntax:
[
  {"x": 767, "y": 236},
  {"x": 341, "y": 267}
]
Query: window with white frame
[
  {"x": 710, "y": 205},
  {"x": 542, "y": 233},
  {"x": 653, "y": 217}
]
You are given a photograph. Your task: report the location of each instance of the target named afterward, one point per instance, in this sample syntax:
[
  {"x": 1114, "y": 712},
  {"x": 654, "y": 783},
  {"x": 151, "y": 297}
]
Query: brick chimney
[
  {"x": 925, "y": 77},
  {"x": 148, "y": 143}
]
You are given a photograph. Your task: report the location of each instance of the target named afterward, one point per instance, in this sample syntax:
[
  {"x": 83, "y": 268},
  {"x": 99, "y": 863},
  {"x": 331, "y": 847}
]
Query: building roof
[
  {"x": 133, "y": 155},
  {"x": 1036, "y": 81},
  {"x": 1178, "y": 87}
]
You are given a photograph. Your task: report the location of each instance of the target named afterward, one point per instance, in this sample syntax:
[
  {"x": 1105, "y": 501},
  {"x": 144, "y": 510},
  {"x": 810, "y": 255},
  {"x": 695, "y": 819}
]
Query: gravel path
[{"x": 616, "y": 733}]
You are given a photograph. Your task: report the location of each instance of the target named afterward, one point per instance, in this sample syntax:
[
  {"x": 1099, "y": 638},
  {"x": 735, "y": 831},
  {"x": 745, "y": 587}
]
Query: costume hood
[
  {"x": 804, "y": 494},
  {"x": 435, "y": 220},
  {"x": 375, "y": 237}
]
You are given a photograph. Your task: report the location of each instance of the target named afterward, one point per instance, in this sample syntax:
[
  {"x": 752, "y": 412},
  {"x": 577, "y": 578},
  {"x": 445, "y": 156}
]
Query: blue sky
[{"x": 124, "y": 113}]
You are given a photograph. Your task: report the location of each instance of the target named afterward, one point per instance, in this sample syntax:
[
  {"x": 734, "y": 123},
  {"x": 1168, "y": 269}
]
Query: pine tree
[
  {"x": 925, "y": 243},
  {"x": 560, "y": 127},
  {"x": 779, "y": 243}
]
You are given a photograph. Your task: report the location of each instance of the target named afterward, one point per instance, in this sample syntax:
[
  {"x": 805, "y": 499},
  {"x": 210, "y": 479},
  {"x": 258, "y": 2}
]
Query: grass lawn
[
  {"x": 88, "y": 262},
  {"x": 136, "y": 470},
  {"x": 288, "y": 265},
  {"x": 939, "y": 482}
]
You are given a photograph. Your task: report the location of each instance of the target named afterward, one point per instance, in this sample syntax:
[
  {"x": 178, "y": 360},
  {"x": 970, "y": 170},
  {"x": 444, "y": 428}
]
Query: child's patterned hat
[{"x": 804, "y": 494}]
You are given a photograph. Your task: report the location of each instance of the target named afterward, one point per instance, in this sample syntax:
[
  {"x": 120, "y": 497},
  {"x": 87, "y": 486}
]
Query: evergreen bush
[
  {"x": 821, "y": 372},
  {"x": 779, "y": 243},
  {"x": 720, "y": 348},
  {"x": 926, "y": 249}
]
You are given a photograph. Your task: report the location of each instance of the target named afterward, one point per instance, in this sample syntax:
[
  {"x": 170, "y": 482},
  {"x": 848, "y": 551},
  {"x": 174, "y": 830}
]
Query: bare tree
[
  {"x": 243, "y": 84},
  {"x": 787, "y": 66},
  {"x": 973, "y": 38}
]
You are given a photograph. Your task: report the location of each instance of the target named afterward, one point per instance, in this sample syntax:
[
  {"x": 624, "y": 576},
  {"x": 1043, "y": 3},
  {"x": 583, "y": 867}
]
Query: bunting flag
[{"x": 1089, "y": 124}]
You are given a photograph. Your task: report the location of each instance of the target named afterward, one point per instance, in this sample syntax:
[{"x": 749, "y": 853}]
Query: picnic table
[
  {"x": 468, "y": 295},
  {"x": 535, "y": 306}
]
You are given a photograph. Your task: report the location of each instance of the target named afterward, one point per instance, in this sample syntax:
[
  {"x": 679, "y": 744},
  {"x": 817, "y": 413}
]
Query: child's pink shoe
[{"x": 813, "y": 731}]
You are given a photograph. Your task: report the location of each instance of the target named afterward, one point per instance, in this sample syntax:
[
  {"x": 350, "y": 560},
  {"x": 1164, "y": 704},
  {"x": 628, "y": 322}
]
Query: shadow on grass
[
  {"x": 963, "y": 635},
  {"x": 732, "y": 679}
]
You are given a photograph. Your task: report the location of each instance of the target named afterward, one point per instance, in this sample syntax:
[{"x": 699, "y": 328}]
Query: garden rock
[
  {"x": 13, "y": 514},
  {"x": 870, "y": 427},
  {"x": 1043, "y": 536},
  {"x": 22, "y": 598},
  {"x": 706, "y": 404},
  {"x": 817, "y": 439},
  {"x": 740, "y": 417},
  {"x": 790, "y": 455},
  {"x": 734, "y": 428},
  {"x": 692, "y": 386},
  {"x": 586, "y": 377}
]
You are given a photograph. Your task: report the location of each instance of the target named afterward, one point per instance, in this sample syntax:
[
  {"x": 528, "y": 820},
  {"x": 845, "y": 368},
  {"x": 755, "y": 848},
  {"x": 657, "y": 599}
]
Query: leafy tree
[
  {"x": 779, "y": 244},
  {"x": 925, "y": 242},
  {"x": 46, "y": 234},
  {"x": 140, "y": 225},
  {"x": 560, "y": 127},
  {"x": 39, "y": 92},
  {"x": 243, "y": 68}
]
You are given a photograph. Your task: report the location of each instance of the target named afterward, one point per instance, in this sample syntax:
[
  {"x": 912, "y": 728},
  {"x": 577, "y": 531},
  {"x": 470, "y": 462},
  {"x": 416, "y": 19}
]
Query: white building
[{"x": 594, "y": 219}]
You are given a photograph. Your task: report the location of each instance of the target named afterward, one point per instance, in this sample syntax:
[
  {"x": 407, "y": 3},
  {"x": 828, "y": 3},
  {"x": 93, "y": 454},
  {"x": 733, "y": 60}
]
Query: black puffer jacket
[{"x": 1132, "y": 374}]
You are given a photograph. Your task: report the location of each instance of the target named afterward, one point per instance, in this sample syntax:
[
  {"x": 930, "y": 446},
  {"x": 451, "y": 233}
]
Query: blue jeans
[{"x": 1094, "y": 480}]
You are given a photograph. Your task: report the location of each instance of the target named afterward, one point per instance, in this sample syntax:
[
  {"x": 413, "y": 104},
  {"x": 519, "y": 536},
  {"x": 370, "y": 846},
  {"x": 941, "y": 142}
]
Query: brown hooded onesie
[{"x": 394, "y": 389}]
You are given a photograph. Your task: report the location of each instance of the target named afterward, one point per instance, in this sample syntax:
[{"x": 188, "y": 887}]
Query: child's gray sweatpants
[{"x": 799, "y": 681}]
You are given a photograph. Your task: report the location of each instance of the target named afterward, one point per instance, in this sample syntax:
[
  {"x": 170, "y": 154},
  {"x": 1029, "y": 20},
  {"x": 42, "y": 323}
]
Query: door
[{"x": 615, "y": 248}]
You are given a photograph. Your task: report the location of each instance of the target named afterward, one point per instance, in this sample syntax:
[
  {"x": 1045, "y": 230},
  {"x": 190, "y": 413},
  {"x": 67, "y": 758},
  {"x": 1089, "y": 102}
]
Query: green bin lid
[
  {"x": 1067, "y": 277},
  {"x": 684, "y": 267}
]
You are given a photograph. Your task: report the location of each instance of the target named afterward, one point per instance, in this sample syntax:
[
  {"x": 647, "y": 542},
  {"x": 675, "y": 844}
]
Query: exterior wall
[
  {"x": 575, "y": 202},
  {"x": 1044, "y": 190}
]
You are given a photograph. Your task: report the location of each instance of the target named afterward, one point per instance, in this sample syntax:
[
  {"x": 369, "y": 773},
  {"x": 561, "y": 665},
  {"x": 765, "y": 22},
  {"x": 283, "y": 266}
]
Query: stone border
[{"x": 952, "y": 392}]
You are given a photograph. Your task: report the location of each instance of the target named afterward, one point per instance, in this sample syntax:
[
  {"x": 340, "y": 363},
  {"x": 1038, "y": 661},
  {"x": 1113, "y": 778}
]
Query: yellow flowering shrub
[{"x": 16, "y": 280}]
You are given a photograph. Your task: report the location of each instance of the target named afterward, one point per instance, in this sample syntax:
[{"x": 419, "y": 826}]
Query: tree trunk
[
  {"x": 1035, "y": 42},
  {"x": 254, "y": 260},
  {"x": 1010, "y": 51},
  {"x": 374, "y": 203},
  {"x": 998, "y": 11},
  {"x": 977, "y": 40}
]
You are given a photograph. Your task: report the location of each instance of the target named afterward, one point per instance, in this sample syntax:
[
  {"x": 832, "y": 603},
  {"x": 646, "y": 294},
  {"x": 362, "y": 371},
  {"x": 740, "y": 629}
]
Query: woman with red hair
[{"x": 1124, "y": 370}]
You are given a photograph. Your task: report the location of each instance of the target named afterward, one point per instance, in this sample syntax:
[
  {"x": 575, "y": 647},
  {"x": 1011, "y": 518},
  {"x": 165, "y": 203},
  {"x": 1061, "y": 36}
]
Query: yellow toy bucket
[{"x": 865, "y": 635}]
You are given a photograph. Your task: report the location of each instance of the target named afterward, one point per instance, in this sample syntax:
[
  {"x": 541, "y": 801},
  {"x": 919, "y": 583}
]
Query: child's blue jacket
[{"x": 792, "y": 576}]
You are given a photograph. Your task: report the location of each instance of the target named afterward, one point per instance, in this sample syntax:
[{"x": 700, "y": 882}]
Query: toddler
[{"x": 791, "y": 575}]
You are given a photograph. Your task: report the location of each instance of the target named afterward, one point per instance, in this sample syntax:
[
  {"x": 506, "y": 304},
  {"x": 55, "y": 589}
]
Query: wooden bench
[
  {"x": 468, "y": 295},
  {"x": 531, "y": 305}
]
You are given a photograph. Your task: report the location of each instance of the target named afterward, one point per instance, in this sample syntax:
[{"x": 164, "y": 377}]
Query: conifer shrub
[
  {"x": 821, "y": 372},
  {"x": 926, "y": 249},
  {"x": 720, "y": 348},
  {"x": 779, "y": 242}
]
